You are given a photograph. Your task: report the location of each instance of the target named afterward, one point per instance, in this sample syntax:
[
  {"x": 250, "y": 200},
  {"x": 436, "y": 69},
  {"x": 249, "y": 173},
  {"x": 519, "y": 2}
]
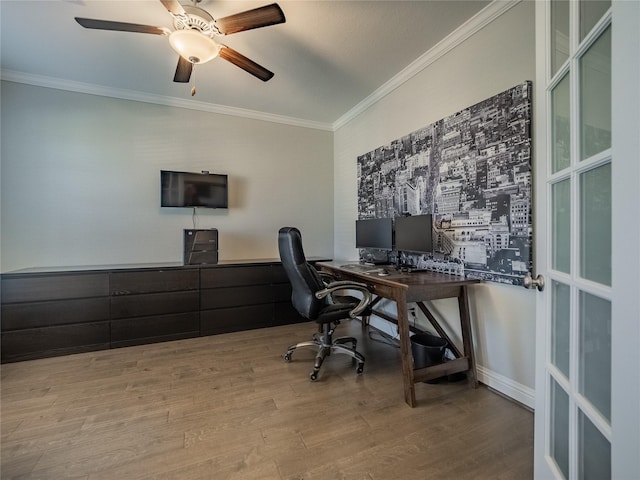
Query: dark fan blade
[
  {"x": 239, "y": 60},
  {"x": 183, "y": 71},
  {"x": 173, "y": 6},
  {"x": 120, "y": 26},
  {"x": 256, "y": 18}
]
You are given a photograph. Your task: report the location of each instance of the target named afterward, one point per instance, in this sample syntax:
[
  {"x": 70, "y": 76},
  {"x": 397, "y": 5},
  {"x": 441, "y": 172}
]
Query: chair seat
[
  {"x": 335, "y": 312},
  {"x": 348, "y": 299}
]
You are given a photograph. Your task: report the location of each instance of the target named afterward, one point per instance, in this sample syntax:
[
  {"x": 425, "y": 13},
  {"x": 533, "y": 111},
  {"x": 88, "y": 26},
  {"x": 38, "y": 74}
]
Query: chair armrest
[
  {"x": 326, "y": 277},
  {"x": 347, "y": 285}
]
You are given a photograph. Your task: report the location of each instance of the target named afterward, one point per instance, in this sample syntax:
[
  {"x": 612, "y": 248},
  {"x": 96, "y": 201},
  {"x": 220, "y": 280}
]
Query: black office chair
[{"x": 311, "y": 297}]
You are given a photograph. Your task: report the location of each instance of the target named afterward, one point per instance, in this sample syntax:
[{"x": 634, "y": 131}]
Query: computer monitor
[
  {"x": 374, "y": 233},
  {"x": 413, "y": 233}
]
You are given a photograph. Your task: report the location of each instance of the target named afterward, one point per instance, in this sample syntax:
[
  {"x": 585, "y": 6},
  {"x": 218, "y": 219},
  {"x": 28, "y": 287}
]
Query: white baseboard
[{"x": 507, "y": 386}]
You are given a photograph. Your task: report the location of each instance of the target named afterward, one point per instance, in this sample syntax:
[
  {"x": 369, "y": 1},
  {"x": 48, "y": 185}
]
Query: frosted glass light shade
[{"x": 193, "y": 46}]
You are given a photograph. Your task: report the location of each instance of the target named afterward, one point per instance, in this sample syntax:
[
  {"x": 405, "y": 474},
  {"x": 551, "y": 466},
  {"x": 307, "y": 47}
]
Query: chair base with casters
[{"x": 324, "y": 343}]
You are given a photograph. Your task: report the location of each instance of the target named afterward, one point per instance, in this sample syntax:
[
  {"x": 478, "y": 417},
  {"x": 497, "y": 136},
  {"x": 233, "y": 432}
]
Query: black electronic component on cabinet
[{"x": 201, "y": 247}]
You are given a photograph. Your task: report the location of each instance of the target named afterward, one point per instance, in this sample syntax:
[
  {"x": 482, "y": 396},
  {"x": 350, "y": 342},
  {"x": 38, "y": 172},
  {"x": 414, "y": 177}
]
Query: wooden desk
[{"x": 418, "y": 287}]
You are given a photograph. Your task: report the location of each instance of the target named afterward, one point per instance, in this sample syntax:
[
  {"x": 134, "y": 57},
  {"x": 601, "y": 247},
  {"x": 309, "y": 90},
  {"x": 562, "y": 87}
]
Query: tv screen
[
  {"x": 413, "y": 234},
  {"x": 374, "y": 233},
  {"x": 185, "y": 189}
]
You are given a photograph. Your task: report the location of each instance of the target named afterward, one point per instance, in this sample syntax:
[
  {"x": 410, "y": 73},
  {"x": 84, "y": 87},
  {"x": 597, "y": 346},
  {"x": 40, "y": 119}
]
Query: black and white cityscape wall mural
[{"x": 472, "y": 172}]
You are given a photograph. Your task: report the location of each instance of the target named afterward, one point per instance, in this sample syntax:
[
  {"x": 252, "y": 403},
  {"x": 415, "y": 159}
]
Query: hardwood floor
[{"x": 228, "y": 407}]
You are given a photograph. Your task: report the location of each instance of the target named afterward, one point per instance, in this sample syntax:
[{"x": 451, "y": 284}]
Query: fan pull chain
[{"x": 193, "y": 79}]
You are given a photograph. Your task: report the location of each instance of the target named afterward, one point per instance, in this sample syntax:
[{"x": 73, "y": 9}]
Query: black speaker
[{"x": 201, "y": 247}]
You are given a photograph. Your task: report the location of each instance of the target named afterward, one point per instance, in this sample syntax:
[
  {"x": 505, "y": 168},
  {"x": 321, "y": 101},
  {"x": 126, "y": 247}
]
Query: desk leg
[
  {"x": 467, "y": 341},
  {"x": 405, "y": 350}
]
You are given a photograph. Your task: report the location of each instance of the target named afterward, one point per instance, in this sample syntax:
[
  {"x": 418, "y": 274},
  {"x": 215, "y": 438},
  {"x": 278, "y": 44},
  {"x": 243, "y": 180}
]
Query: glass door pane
[
  {"x": 560, "y": 130},
  {"x": 560, "y": 326},
  {"x": 559, "y": 435},
  {"x": 594, "y": 451},
  {"x": 559, "y": 34},
  {"x": 590, "y": 12},
  {"x": 561, "y": 226},
  {"x": 595, "y": 352},
  {"x": 595, "y": 224},
  {"x": 595, "y": 97}
]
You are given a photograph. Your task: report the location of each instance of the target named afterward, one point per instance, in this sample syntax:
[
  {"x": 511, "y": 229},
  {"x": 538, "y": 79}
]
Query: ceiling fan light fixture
[{"x": 194, "y": 46}]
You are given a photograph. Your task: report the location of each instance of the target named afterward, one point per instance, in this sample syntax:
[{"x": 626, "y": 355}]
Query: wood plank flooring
[{"x": 228, "y": 407}]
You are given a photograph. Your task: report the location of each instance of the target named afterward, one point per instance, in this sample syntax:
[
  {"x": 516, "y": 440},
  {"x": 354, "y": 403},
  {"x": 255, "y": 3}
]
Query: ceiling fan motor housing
[{"x": 196, "y": 18}]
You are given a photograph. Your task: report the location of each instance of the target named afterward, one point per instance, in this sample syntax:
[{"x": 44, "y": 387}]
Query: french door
[{"x": 582, "y": 151}]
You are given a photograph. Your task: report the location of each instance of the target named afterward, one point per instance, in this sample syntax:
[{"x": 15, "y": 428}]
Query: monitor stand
[
  {"x": 374, "y": 257},
  {"x": 377, "y": 263}
]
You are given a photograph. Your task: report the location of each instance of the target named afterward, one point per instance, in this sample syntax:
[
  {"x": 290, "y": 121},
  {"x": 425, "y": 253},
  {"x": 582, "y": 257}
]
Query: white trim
[
  {"x": 625, "y": 178},
  {"x": 543, "y": 466},
  {"x": 521, "y": 393},
  {"x": 91, "y": 89},
  {"x": 476, "y": 23}
]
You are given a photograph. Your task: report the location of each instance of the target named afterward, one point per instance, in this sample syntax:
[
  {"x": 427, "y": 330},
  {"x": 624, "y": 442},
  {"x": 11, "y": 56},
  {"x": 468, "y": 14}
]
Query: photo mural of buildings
[{"x": 472, "y": 172}]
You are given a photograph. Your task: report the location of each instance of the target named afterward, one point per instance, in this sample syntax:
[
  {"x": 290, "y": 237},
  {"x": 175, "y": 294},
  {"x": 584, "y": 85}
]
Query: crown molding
[
  {"x": 91, "y": 89},
  {"x": 480, "y": 20}
]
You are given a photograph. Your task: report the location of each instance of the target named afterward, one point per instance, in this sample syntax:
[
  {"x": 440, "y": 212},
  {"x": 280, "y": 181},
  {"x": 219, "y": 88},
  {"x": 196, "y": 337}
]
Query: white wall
[
  {"x": 81, "y": 180},
  {"x": 492, "y": 60}
]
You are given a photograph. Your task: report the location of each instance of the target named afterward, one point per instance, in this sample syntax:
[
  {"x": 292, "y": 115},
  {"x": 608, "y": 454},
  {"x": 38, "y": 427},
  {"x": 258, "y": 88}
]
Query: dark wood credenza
[{"x": 57, "y": 311}]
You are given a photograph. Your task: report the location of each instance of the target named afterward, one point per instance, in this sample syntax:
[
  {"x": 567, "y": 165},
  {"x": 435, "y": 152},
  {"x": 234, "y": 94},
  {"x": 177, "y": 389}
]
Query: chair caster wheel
[
  {"x": 360, "y": 369},
  {"x": 313, "y": 376},
  {"x": 287, "y": 357}
]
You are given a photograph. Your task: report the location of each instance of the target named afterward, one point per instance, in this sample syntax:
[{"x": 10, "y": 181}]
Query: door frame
[{"x": 625, "y": 177}]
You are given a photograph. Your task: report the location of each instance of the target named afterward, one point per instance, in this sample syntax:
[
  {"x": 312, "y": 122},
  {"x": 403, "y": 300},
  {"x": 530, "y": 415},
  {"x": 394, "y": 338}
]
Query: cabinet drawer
[
  {"x": 235, "y": 276},
  {"x": 16, "y": 316},
  {"x": 136, "y": 331},
  {"x": 127, "y": 283},
  {"x": 34, "y": 288},
  {"x": 153, "y": 304},
  {"x": 224, "y": 320},
  {"x": 285, "y": 314},
  {"x": 282, "y": 293},
  {"x": 235, "y": 296},
  {"x": 279, "y": 275},
  {"x": 44, "y": 342}
]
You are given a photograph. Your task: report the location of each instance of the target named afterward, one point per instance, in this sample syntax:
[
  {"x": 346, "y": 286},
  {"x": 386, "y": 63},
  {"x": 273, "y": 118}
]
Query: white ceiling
[{"x": 327, "y": 58}]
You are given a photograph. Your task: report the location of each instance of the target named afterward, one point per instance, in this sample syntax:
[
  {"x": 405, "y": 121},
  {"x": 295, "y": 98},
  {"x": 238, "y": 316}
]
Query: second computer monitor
[
  {"x": 413, "y": 233},
  {"x": 374, "y": 233}
]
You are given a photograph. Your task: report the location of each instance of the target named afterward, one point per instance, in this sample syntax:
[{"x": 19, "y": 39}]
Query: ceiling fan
[{"x": 194, "y": 35}]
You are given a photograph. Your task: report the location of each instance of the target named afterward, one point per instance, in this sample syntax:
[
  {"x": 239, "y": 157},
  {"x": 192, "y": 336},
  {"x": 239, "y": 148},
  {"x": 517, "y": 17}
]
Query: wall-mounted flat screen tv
[{"x": 186, "y": 189}]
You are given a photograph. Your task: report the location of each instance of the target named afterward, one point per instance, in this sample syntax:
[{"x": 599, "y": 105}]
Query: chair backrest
[{"x": 304, "y": 278}]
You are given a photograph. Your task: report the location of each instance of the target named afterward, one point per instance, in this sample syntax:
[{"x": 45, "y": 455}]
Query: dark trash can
[{"x": 427, "y": 350}]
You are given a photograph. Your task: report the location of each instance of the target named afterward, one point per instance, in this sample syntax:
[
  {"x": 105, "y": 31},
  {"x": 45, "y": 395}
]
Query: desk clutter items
[{"x": 433, "y": 263}]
